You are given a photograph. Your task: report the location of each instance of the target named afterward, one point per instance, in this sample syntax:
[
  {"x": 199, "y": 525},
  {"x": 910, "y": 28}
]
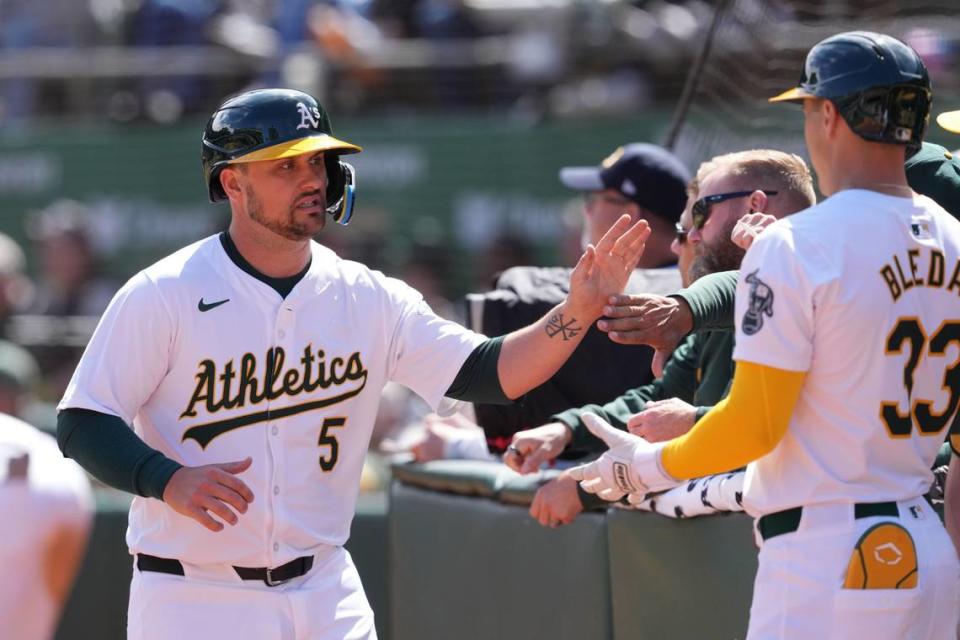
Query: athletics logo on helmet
[
  {"x": 879, "y": 84},
  {"x": 308, "y": 119},
  {"x": 268, "y": 124}
]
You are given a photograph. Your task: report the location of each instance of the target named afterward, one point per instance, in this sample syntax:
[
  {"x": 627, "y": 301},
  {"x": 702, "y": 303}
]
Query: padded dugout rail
[{"x": 476, "y": 568}]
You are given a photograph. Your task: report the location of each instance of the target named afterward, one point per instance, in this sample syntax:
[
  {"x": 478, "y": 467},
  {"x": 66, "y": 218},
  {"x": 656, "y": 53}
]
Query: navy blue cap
[{"x": 647, "y": 174}]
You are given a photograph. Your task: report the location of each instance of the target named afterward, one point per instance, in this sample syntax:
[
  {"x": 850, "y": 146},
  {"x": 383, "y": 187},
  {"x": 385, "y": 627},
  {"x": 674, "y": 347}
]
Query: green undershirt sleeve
[
  {"x": 711, "y": 299},
  {"x": 110, "y": 450},
  {"x": 679, "y": 381},
  {"x": 478, "y": 380}
]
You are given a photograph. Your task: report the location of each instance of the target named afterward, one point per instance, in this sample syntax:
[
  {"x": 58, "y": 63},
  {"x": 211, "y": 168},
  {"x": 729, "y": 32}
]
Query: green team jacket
[{"x": 698, "y": 372}]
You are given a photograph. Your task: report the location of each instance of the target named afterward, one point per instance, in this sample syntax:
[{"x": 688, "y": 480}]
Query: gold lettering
[
  {"x": 955, "y": 279},
  {"x": 903, "y": 280},
  {"x": 204, "y": 389},
  {"x": 891, "y": 280},
  {"x": 912, "y": 259},
  {"x": 248, "y": 384},
  {"x": 936, "y": 273},
  {"x": 276, "y": 382}
]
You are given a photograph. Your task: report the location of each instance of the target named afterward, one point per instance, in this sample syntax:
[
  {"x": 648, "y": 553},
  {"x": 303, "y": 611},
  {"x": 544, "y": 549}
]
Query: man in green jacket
[
  {"x": 662, "y": 322},
  {"x": 698, "y": 374}
]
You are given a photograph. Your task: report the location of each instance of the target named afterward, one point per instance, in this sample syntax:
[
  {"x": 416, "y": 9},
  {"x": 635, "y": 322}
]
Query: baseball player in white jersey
[
  {"x": 47, "y": 510},
  {"x": 847, "y": 379},
  {"x": 250, "y": 365}
]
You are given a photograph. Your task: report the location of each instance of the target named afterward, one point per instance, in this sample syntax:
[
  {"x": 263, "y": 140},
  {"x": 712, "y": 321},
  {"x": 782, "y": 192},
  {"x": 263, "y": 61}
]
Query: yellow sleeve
[{"x": 742, "y": 427}]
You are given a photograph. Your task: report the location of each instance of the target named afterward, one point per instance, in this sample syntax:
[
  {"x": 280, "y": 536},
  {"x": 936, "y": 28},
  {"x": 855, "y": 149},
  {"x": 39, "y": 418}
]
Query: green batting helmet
[
  {"x": 880, "y": 85},
  {"x": 267, "y": 124}
]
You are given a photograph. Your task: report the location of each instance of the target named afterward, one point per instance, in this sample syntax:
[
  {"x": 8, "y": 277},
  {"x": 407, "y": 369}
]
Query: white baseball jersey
[
  {"x": 862, "y": 292},
  {"x": 210, "y": 365},
  {"x": 41, "y": 493}
]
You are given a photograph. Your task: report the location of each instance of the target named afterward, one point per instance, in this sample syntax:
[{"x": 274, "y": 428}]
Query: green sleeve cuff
[
  {"x": 581, "y": 440},
  {"x": 478, "y": 380},
  {"x": 151, "y": 479},
  {"x": 701, "y": 411},
  {"x": 106, "y": 447},
  {"x": 711, "y": 300}
]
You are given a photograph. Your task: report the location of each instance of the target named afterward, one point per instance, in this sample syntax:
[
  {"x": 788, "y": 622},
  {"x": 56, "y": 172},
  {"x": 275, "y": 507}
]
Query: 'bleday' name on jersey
[{"x": 924, "y": 268}]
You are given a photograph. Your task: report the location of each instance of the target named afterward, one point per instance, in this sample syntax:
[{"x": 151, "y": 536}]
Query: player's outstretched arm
[
  {"x": 663, "y": 321},
  {"x": 658, "y": 321},
  {"x": 531, "y": 355}
]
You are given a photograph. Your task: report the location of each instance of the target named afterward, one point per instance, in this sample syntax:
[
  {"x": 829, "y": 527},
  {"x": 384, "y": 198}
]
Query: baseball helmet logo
[
  {"x": 308, "y": 119},
  {"x": 761, "y": 304}
]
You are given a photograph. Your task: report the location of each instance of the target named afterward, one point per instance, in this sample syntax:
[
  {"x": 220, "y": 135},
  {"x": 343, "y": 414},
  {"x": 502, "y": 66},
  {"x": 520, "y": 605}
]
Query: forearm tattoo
[{"x": 568, "y": 329}]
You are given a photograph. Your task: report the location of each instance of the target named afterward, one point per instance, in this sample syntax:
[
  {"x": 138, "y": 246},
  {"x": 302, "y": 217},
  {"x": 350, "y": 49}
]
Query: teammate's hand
[
  {"x": 432, "y": 444},
  {"x": 201, "y": 492},
  {"x": 556, "y": 502},
  {"x": 604, "y": 270},
  {"x": 630, "y": 466},
  {"x": 534, "y": 447},
  {"x": 659, "y": 321},
  {"x": 663, "y": 420},
  {"x": 749, "y": 227}
]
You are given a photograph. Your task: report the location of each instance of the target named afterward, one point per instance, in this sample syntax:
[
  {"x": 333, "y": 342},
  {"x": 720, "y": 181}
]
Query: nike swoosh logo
[{"x": 203, "y": 306}]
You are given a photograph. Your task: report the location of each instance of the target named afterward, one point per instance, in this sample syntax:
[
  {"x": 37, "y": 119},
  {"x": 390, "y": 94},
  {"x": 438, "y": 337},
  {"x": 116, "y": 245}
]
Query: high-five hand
[
  {"x": 604, "y": 270},
  {"x": 631, "y": 466},
  {"x": 658, "y": 321}
]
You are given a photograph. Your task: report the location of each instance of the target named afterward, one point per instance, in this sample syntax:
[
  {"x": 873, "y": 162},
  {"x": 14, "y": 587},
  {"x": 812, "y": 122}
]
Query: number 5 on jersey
[
  {"x": 909, "y": 333},
  {"x": 329, "y": 460}
]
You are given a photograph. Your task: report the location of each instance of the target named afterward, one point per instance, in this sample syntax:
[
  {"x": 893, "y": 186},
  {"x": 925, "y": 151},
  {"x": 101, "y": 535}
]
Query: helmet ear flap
[
  {"x": 215, "y": 188},
  {"x": 341, "y": 189}
]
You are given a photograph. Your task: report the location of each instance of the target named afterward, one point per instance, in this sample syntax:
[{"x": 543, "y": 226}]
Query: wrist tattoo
[{"x": 566, "y": 329}]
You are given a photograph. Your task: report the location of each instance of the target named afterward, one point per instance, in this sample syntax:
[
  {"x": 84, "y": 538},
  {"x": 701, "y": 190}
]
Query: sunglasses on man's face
[
  {"x": 702, "y": 207},
  {"x": 681, "y": 233}
]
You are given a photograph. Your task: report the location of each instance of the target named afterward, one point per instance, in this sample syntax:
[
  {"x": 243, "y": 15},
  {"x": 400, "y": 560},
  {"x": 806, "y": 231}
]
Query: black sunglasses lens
[
  {"x": 699, "y": 214},
  {"x": 681, "y": 234}
]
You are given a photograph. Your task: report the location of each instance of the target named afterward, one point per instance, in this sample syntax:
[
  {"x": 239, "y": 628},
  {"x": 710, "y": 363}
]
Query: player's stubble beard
[
  {"x": 288, "y": 227},
  {"x": 721, "y": 255}
]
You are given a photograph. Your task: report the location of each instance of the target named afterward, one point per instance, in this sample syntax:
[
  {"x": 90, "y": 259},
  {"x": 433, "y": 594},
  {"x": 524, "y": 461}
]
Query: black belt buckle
[
  {"x": 276, "y": 576},
  {"x": 270, "y": 582}
]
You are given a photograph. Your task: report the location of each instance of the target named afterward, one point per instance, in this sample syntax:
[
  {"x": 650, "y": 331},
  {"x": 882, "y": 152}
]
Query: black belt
[
  {"x": 271, "y": 577},
  {"x": 788, "y": 520}
]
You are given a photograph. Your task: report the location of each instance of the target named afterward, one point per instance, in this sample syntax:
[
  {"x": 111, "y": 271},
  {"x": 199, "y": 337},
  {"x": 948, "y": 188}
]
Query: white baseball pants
[
  {"x": 799, "y": 591},
  {"x": 328, "y": 603}
]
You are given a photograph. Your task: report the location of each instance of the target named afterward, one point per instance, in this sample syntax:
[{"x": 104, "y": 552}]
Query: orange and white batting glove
[{"x": 631, "y": 465}]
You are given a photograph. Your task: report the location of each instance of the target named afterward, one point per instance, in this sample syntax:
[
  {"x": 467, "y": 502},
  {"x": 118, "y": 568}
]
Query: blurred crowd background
[{"x": 466, "y": 110}]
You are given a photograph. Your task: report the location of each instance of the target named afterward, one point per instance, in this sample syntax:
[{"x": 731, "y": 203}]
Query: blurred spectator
[
  {"x": 503, "y": 253},
  {"x": 16, "y": 290},
  {"x": 68, "y": 281},
  {"x": 46, "y": 509},
  {"x": 26, "y": 24},
  {"x": 445, "y": 20},
  {"x": 163, "y": 23},
  {"x": 68, "y": 284},
  {"x": 642, "y": 180},
  {"x": 19, "y": 375},
  {"x": 424, "y": 270}
]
